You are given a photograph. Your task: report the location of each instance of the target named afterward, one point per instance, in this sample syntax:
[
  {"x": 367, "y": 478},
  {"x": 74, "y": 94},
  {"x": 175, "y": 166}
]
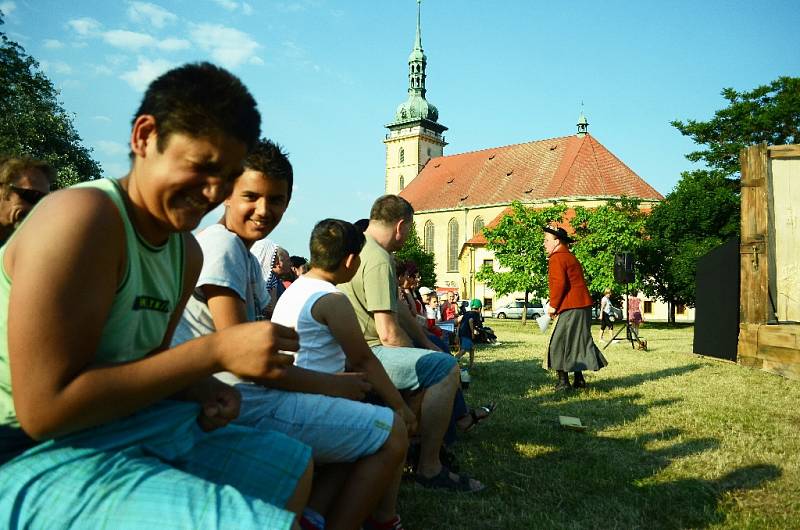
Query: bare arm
[
  {"x": 389, "y": 330},
  {"x": 411, "y": 326},
  {"x": 335, "y": 311},
  {"x": 227, "y": 309},
  {"x": 74, "y": 245}
]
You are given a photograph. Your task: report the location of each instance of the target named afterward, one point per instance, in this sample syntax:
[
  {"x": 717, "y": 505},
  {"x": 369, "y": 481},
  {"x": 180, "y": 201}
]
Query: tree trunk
[
  {"x": 525, "y": 309},
  {"x": 671, "y": 311}
]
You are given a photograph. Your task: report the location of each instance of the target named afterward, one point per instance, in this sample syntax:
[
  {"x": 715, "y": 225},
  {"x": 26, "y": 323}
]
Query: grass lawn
[{"x": 674, "y": 440}]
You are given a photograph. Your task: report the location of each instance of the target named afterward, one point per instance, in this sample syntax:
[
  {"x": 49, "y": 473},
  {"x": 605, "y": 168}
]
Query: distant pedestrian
[{"x": 606, "y": 320}]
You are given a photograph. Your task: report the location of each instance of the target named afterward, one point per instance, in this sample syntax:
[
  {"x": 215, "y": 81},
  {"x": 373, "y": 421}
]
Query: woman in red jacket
[{"x": 572, "y": 348}]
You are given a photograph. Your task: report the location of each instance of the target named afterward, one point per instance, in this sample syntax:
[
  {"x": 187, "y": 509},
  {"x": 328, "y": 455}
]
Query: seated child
[
  {"x": 467, "y": 328},
  {"x": 94, "y": 283},
  {"x": 330, "y": 336},
  {"x": 307, "y": 405}
]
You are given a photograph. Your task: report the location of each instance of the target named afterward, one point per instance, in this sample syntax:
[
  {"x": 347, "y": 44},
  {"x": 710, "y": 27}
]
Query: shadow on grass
[
  {"x": 542, "y": 476},
  {"x": 606, "y": 385}
]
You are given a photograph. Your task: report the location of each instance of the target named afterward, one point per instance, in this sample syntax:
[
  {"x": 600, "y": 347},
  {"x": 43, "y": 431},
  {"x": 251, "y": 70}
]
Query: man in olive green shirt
[{"x": 391, "y": 334}]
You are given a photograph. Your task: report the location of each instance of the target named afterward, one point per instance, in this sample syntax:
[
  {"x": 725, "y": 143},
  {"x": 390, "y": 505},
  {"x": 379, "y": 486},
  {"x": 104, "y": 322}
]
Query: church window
[
  {"x": 402, "y": 155},
  {"x": 452, "y": 246},
  {"x": 477, "y": 225},
  {"x": 402, "y": 182},
  {"x": 428, "y": 237}
]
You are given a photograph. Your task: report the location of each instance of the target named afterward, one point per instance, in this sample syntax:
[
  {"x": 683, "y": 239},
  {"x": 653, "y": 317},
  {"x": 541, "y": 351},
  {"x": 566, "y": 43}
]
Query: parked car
[{"x": 514, "y": 310}]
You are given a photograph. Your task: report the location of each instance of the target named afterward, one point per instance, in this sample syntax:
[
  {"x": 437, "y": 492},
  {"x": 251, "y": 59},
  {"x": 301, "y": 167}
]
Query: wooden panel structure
[{"x": 769, "y": 329}]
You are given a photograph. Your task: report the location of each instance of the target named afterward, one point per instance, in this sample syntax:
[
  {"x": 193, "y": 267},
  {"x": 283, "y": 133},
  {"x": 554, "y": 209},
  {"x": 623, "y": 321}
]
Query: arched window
[
  {"x": 402, "y": 155},
  {"x": 428, "y": 237},
  {"x": 452, "y": 246},
  {"x": 477, "y": 225},
  {"x": 402, "y": 182}
]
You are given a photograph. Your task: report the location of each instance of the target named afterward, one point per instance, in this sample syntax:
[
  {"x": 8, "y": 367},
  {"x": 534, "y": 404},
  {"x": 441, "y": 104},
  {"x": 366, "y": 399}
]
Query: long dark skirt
[{"x": 572, "y": 347}]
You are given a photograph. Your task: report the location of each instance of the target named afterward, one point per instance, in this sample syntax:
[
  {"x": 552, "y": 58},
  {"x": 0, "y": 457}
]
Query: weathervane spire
[{"x": 418, "y": 39}]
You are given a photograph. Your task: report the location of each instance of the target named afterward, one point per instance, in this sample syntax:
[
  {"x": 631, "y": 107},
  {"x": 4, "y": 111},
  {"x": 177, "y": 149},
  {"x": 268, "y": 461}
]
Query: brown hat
[{"x": 560, "y": 234}]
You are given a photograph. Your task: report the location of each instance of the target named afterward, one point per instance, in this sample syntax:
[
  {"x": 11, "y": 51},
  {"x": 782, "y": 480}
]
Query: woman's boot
[
  {"x": 578, "y": 381},
  {"x": 563, "y": 380}
]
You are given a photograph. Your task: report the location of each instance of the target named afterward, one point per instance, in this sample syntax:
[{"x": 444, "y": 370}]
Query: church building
[{"x": 455, "y": 196}]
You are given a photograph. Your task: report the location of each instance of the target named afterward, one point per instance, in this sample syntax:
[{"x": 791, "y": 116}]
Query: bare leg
[
  {"x": 299, "y": 499},
  {"x": 327, "y": 485},
  {"x": 471, "y": 358},
  {"x": 371, "y": 478}
]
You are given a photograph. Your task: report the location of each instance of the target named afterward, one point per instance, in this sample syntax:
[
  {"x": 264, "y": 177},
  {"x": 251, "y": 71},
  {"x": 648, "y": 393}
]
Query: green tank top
[{"x": 144, "y": 303}]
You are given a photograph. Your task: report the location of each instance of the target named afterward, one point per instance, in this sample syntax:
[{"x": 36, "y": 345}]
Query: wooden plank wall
[{"x": 770, "y": 347}]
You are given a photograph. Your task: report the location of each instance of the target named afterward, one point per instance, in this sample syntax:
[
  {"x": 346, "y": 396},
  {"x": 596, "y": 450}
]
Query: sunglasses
[{"x": 28, "y": 195}]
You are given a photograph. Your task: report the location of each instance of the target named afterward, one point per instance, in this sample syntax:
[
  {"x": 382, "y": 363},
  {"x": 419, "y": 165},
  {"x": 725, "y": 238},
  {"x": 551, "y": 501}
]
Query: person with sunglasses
[{"x": 23, "y": 183}]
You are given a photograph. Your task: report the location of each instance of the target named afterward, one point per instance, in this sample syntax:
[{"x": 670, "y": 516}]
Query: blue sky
[{"x": 328, "y": 75}]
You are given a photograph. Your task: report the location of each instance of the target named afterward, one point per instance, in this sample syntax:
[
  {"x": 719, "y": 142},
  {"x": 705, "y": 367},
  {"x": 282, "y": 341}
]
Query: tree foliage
[
  {"x": 769, "y": 113},
  {"x": 617, "y": 226},
  {"x": 412, "y": 251},
  {"x": 701, "y": 213},
  {"x": 517, "y": 245},
  {"x": 32, "y": 120}
]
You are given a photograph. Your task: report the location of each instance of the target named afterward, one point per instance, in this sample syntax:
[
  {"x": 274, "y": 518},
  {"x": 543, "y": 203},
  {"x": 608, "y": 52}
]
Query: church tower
[{"x": 415, "y": 135}]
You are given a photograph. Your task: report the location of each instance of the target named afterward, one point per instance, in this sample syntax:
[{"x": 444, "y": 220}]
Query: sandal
[
  {"x": 488, "y": 409},
  {"x": 444, "y": 481}
]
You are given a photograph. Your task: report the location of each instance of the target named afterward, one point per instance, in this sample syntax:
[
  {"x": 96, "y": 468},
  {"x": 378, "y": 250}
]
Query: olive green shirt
[{"x": 373, "y": 288}]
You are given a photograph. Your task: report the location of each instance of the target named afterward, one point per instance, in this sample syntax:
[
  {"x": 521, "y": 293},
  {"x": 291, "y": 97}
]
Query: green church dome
[{"x": 416, "y": 107}]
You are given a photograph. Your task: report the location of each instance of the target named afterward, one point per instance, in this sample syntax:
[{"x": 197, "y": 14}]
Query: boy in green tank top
[{"x": 102, "y": 425}]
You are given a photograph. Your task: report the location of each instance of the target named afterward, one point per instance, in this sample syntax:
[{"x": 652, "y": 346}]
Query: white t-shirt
[
  {"x": 226, "y": 263},
  {"x": 318, "y": 348}
]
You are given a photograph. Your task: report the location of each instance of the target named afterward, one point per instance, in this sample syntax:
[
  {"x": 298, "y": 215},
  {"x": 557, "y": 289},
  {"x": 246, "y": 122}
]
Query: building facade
[{"x": 455, "y": 196}]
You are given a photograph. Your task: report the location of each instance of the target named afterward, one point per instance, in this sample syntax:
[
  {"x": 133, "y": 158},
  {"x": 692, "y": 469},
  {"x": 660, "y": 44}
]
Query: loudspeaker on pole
[{"x": 623, "y": 268}]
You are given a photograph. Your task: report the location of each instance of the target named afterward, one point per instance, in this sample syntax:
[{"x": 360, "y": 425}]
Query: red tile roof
[
  {"x": 479, "y": 240},
  {"x": 570, "y": 166}
]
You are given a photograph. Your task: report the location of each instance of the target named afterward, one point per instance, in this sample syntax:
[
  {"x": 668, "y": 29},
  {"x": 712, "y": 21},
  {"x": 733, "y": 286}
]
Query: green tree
[
  {"x": 769, "y": 113},
  {"x": 32, "y": 120},
  {"x": 702, "y": 211},
  {"x": 617, "y": 226},
  {"x": 412, "y": 251},
  {"x": 517, "y": 245}
]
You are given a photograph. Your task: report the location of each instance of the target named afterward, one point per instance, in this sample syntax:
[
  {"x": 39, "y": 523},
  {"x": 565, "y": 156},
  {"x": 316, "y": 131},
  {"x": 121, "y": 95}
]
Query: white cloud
[
  {"x": 53, "y": 44},
  {"x": 227, "y": 4},
  {"x": 156, "y": 16},
  {"x": 111, "y": 148},
  {"x": 114, "y": 170},
  {"x": 84, "y": 26},
  {"x": 133, "y": 40},
  {"x": 102, "y": 119},
  {"x": 172, "y": 45},
  {"x": 146, "y": 71},
  {"x": 101, "y": 69},
  {"x": 247, "y": 9},
  {"x": 256, "y": 60},
  {"x": 228, "y": 46},
  {"x": 58, "y": 67},
  {"x": 7, "y": 7},
  {"x": 129, "y": 40}
]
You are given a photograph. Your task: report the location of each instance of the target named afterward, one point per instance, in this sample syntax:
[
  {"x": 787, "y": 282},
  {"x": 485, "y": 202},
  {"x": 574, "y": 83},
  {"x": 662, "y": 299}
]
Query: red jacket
[{"x": 567, "y": 286}]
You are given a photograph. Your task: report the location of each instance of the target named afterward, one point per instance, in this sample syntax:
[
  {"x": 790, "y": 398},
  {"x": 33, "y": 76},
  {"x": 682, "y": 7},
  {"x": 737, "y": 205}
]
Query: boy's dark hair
[
  {"x": 408, "y": 267},
  {"x": 269, "y": 158},
  {"x": 298, "y": 261},
  {"x": 362, "y": 224},
  {"x": 12, "y": 166},
  {"x": 390, "y": 209},
  {"x": 332, "y": 240},
  {"x": 201, "y": 99}
]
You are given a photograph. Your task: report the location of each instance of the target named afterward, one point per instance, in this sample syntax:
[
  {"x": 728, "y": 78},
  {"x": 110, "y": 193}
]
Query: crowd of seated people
[{"x": 212, "y": 380}]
